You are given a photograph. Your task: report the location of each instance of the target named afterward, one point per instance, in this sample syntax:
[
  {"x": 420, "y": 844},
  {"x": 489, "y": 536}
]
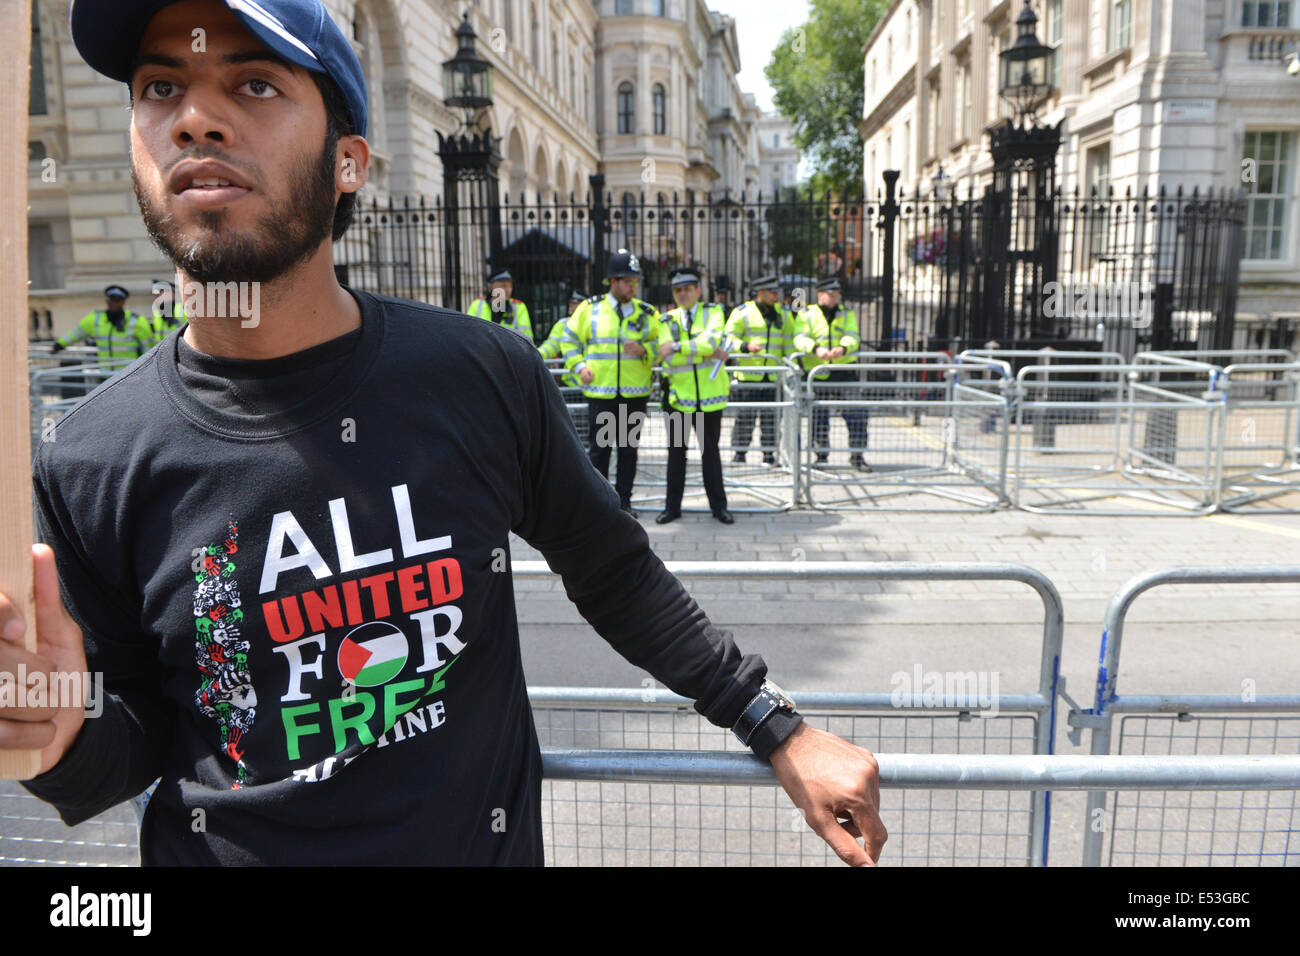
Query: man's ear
[{"x": 353, "y": 163}]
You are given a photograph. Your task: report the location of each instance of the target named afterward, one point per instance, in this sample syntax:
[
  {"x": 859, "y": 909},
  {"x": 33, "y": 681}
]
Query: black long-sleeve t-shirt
[{"x": 293, "y": 577}]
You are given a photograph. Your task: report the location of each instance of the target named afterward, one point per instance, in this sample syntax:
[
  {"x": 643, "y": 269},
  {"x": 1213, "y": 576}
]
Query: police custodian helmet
[{"x": 622, "y": 264}]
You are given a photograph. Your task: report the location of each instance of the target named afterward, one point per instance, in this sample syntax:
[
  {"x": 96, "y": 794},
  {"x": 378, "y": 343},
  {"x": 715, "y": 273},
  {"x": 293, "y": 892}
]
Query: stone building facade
[{"x": 1151, "y": 93}]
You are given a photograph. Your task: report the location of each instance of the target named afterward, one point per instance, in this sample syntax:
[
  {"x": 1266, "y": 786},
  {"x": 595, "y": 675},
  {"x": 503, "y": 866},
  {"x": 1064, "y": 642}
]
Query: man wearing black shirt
[{"x": 280, "y": 541}]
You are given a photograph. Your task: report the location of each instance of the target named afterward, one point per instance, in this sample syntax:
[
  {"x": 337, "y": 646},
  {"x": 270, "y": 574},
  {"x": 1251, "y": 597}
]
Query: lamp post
[
  {"x": 942, "y": 186},
  {"x": 470, "y": 160},
  {"x": 1022, "y": 233}
]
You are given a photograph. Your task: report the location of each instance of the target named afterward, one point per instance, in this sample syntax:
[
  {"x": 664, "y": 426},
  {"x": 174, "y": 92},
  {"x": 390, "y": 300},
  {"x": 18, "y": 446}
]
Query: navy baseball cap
[{"x": 107, "y": 34}]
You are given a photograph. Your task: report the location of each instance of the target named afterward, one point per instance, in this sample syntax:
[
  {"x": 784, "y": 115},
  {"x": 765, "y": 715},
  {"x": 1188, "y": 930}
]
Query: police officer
[
  {"x": 609, "y": 343},
  {"x": 500, "y": 308},
  {"x": 119, "y": 335},
  {"x": 828, "y": 333},
  {"x": 761, "y": 325},
  {"x": 553, "y": 351},
  {"x": 168, "y": 314},
  {"x": 553, "y": 348},
  {"x": 693, "y": 348}
]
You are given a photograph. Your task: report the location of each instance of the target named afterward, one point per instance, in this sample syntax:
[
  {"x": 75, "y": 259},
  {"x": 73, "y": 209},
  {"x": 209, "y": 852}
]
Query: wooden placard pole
[{"x": 15, "y": 403}]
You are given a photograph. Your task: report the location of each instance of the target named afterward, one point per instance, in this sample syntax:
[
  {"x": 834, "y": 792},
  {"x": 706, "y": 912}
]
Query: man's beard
[{"x": 286, "y": 236}]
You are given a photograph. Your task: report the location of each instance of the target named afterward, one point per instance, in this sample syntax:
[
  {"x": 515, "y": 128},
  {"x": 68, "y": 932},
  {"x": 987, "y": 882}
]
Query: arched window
[
  {"x": 625, "y": 115},
  {"x": 660, "y": 113}
]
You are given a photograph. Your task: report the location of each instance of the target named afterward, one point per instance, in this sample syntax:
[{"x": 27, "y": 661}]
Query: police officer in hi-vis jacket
[
  {"x": 609, "y": 342},
  {"x": 693, "y": 349}
]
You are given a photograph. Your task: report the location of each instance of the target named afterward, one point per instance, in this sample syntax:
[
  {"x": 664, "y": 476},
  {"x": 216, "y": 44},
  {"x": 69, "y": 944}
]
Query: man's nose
[{"x": 204, "y": 116}]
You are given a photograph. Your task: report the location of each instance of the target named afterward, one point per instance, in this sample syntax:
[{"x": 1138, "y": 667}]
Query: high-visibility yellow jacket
[
  {"x": 594, "y": 337},
  {"x": 117, "y": 348},
  {"x": 553, "y": 348},
  {"x": 815, "y": 332},
  {"x": 161, "y": 326},
  {"x": 696, "y": 381},
  {"x": 518, "y": 316},
  {"x": 747, "y": 325}
]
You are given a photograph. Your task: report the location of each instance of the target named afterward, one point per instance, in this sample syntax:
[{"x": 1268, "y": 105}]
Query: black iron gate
[{"x": 1025, "y": 266}]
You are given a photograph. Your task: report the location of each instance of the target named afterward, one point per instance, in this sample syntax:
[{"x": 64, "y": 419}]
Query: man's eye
[
  {"x": 158, "y": 90},
  {"x": 261, "y": 89}
]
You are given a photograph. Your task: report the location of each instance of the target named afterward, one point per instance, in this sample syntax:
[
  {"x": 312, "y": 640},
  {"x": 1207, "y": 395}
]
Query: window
[
  {"x": 965, "y": 101},
  {"x": 776, "y": 140},
  {"x": 1268, "y": 196},
  {"x": 508, "y": 18},
  {"x": 889, "y": 57},
  {"x": 1266, "y": 14},
  {"x": 657, "y": 8},
  {"x": 1096, "y": 168},
  {"x": 537, "y": 56},
  {"x": 36, "y": 104},
  {"x": 623, "y": 8},
  {"x": 629, "y": 220},
  {"x": 555, "y": 60},
  {"x": 1055, "y": 14},
  {"x": 873, "y": 76},
  {"x": 1003, "y": 108},
  {"x": 907, "y": 148},
  {"x": 625, "y": 116},
  {"x": 934, "y": 120},
  {"x": 1121, "y": 26},
  {"x": 657, "y": 106}
]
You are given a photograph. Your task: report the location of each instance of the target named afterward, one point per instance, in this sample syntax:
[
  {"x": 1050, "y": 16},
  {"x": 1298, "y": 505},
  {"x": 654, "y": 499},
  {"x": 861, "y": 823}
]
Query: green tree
[{"x": 816, "y": 73}]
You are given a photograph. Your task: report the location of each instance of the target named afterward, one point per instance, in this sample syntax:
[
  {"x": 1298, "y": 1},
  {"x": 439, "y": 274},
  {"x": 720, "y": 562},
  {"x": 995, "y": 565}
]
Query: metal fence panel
[
  {"x": 933, "y": 435},
  {"x": 1143, "y": 828}
]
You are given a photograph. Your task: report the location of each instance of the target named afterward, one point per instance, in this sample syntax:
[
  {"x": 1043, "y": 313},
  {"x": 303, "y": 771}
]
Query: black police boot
[
  {"x": 738, "y": 458},
  {"x": 667, "y": 515},
  {"x": 860, "y": 463},
  {"x": 723, "y": 515}
]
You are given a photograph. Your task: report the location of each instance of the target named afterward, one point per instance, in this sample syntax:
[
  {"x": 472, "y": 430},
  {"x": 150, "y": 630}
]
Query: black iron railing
[{"x": 923, "y": 271}]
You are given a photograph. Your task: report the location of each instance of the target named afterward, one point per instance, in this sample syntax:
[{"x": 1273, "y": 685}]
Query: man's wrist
[{"x": 774, "y": 732}]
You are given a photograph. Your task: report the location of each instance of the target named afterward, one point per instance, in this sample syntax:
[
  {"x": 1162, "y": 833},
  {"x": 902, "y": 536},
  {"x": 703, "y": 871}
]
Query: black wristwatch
[{"x": 758, "y": 711}]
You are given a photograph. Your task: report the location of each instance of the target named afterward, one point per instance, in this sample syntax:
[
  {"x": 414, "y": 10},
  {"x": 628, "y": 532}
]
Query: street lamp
[
  {"x": 1024, "y": 74},
  {"x": 942, "y": 185},
  {"x": 467, "y": 77}
]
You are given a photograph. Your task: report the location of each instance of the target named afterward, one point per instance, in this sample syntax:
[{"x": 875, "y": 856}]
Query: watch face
[{"x": 781, "y": 695}]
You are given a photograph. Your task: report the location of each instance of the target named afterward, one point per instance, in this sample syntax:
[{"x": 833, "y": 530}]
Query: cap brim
[{"x": 107, "y": 33}]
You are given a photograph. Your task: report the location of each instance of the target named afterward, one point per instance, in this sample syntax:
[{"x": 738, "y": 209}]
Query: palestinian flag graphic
[
  {"x": 225, "y": 692},
  {"x": 372, "y": 654}
]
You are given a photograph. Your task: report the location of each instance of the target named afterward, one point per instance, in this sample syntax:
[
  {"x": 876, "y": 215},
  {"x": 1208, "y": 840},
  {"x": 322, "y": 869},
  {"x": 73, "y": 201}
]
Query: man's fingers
[
  {"x": 53, "y": 625},
  {"x": 838, "y": 838},
  {"x": 25, "y": 735},
  {"x": 867, "y": 822}
]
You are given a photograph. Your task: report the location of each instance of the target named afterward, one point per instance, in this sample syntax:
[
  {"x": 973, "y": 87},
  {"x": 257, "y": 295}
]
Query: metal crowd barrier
[
  {"x": 1121, "y": 433},
  {"x": 635, "y": 776},
  {"x": 1186, "y": 830},
  {"x": 752, "y": 485},
  {"x": 687, "y": 824},
  {"x": 932, "y": 431},
  {"x": 55, "y": 389}
]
